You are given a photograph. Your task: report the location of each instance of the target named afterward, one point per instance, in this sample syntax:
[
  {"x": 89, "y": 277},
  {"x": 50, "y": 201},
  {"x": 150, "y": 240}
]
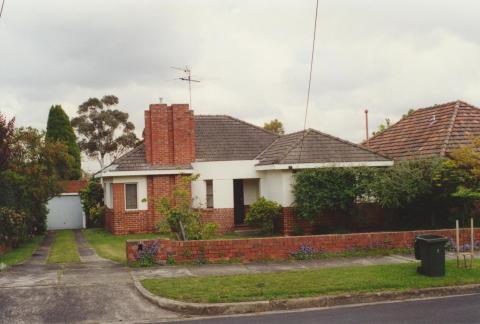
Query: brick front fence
[
  {"x": 280, "y": 248},
  {"x": 3, "y": 249}
]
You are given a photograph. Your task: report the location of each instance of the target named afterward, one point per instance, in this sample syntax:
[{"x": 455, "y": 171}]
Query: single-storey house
[
  {"x": 237, "y": 163},
  {"x": 427, "y": 132}
]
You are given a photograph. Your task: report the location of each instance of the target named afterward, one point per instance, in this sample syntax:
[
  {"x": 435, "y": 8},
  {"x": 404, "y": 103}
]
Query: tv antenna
[{"x": 187, "y": 77}]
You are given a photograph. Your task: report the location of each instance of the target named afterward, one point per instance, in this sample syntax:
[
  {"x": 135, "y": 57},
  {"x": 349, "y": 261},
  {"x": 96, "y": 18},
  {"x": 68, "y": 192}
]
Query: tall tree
[
  {"x": 60, "y": 129},
  {"x": 274, "y": 126},
  {"x": 7, "y": 131},
  {"x": 32, "y": 176},
  {"x": 105, "y": 133}
]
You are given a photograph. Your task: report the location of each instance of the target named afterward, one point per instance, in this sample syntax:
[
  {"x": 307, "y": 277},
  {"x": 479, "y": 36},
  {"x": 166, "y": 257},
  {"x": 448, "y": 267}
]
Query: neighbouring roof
[
  {"x": 431, "y": 131},
  {"x": 312, "y": 146},
  {"x": 73, "y": 186}
]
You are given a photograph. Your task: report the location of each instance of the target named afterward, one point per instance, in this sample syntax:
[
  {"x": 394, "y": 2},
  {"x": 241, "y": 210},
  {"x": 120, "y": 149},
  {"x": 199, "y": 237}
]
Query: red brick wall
[
  {"x": 224, "y": 217},
  {"x": 183, "y": 135},
  {"x": 121, "y": 222},
  {"x": 3, "y": 249},
  {"x": 280, "y": 248},
  {"x": 169, "y": 135},
  {"x": 169, "y": 140}
]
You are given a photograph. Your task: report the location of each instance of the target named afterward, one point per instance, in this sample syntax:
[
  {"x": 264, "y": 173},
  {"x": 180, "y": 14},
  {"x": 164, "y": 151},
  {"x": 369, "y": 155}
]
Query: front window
[
  {"x": 209, "y": 184},
  {"x": 131, "y": 201}
]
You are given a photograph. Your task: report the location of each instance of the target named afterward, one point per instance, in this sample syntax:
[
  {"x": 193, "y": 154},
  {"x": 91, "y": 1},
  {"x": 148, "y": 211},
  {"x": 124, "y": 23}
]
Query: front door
[{"x": 238, "y": 203}]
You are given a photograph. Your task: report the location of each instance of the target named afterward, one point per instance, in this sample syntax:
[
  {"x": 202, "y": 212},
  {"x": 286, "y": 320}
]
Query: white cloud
[{"x": 252, "y": 58}]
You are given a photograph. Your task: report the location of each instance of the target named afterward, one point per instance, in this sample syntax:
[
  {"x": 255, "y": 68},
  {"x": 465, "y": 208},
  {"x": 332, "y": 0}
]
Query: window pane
[
  {"x": 131, "y": 196},
  {"x": 209, "y": 184}
]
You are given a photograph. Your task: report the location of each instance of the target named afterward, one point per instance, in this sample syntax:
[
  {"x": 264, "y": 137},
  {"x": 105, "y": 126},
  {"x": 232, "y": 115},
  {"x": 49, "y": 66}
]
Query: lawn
[
  {"x": 110, "y": 246},
  {"x": 21, "y": 253},
  {"x": 64, "y": 248},
  {"x": 306, "y": 283}
]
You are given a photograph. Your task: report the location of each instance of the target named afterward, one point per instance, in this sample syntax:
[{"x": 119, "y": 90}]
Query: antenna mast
[{"x": 187, "y": 77}]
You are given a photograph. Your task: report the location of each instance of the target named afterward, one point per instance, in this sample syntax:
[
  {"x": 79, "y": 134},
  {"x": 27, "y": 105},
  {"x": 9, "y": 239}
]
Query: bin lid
[{"x": 431, "y": 238}]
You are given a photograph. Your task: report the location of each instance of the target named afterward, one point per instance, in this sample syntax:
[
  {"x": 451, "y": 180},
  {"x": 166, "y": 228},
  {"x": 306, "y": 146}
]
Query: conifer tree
[{"x": 59, "y": 129}]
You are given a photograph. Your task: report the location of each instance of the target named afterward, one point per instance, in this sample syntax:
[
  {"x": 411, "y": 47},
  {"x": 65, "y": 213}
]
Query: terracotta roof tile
[
  {"x": 429, "y": 131},
  {"x": 73, "y": 186}
]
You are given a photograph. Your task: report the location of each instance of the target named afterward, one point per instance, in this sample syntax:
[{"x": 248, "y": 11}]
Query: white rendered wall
[
  {"x": 142, "y": 193},
  {"x": 223, "y": 193},
  {"x": 277, "y": 186},
  {"x": 222, "y": 173},
  {"x": 106, "y": 193},
  {"x": 226, "y": 170}
]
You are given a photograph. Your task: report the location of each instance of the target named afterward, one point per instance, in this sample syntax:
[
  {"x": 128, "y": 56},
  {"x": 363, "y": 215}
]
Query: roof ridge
[
  {"x": 277, "y": 139},
  {"x": 267, "y": 147},
  {"x": 449, "y": 129},
  {"x": 350, "y": 143},
  {"x": 301, "y": 139}
]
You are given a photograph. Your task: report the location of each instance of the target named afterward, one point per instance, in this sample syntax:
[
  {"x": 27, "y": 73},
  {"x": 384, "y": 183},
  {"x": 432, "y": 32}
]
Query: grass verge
[
  {"x": 21, "y": 253},
  {"x": 64, "y": 248},
  {"x": 110, "y": 246},
  {"x": 306, "y": 283}
]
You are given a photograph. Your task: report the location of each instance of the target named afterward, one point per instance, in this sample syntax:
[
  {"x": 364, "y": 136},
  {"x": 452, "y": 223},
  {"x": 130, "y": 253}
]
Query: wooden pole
[
  {"x": 472, "y": 240},
  {"x": 366, "y": 126},
  {"x": 457, "y": 234}
]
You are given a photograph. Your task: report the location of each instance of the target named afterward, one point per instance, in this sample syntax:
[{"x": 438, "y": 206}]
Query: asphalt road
[{"x": 462, "y": 309}]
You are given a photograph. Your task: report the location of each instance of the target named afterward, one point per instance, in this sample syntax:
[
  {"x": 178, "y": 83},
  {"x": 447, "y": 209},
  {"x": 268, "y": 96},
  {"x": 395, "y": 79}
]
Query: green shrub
[
  {"x": 263, "y": 213},
  {"x": 179, "y": 218},
  {"x": 97, "y": 215},
  {"x": 92, "y": 202},
  {"x": 13, "y": 227},
  {"x": 320, "y": 190}
]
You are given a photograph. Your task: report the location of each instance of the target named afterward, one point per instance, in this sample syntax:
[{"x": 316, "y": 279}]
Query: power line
[
  {"x": 1, "y": 9},
  {"x": 309, "y": 80}
]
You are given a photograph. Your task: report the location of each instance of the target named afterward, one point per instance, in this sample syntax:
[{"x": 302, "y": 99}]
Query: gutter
[
  {"x": 323, "y": 165},
  {"x": 142, "y": 173}
]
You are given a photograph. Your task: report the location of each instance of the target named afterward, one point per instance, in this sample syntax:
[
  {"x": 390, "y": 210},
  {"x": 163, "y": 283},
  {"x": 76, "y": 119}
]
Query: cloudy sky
[{"x": 251, "y": 56}]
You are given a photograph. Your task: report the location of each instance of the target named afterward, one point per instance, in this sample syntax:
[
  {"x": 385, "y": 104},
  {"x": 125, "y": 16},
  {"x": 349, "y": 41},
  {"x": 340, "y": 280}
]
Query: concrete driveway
[{"x": 95, "y": 290}]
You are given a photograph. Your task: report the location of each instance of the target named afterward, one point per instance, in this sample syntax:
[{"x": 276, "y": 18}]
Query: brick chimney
[{"x": 169, "y": 135}]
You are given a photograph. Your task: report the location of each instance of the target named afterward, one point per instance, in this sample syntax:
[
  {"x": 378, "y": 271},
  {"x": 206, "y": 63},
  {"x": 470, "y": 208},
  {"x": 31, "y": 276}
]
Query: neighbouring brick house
[
  {"x": 427, "y": 132},
  {"x": 237, "y": 163}
]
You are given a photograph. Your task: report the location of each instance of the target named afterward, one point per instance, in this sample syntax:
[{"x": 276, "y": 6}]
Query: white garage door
[{"x": 65, "y": 212}]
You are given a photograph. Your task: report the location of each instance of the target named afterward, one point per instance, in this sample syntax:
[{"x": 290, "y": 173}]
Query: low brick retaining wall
[
  {"x": 280, "y": 248},
  {"x": 3, "y": 249}
]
